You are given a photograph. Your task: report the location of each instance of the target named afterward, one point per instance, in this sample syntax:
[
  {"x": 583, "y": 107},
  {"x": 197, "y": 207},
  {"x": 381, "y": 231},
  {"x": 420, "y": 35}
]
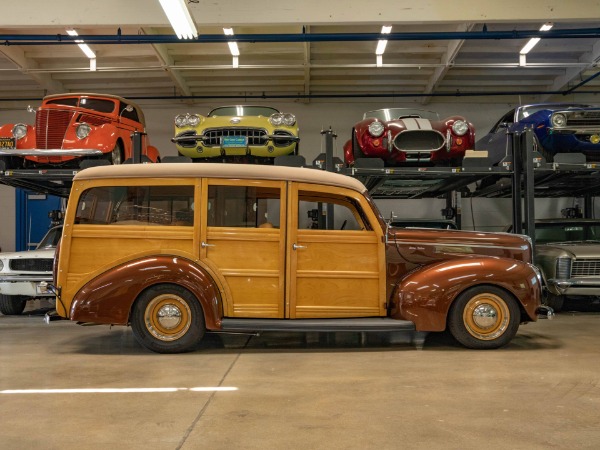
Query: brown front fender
[
  {"x": 424, "y": 296},
  {"x": 109, "y": 297}
]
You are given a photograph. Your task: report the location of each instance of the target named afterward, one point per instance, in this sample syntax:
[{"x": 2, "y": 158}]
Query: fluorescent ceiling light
[
  {"x": 233, "y": 47},
  {"x": 382, "y": 43},
  {"x": 82, "y": 45},
  {"x": 236, "y": 62},
  {"x": 379, "y": 60},
  {"x": 180, "y": 18},
  {"x": 533, "y": 41}
]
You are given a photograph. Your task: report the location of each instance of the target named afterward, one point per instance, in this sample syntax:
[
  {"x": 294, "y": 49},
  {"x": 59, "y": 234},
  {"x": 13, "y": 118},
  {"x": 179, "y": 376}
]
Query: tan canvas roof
[{"x": 215, "y": 170}]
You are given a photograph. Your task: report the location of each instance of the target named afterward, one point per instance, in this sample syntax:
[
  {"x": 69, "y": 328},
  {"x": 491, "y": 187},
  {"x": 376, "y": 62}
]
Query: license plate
[
  {"x": 234, "y": 141},
  {"x": 7, "y": 143}
]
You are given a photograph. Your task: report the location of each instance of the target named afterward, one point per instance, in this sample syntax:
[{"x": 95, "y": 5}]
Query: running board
[{"x": 375, "y": 324}]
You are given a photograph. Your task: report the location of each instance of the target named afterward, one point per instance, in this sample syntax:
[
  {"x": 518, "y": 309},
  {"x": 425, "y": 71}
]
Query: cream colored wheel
[
  {"x": 484, "y": 317},
  {"x": 167, "y": 318}
]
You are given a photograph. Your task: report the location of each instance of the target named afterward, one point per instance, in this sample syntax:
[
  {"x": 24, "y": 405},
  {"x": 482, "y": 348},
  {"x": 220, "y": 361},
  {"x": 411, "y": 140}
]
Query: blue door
[{"x": 33, "y": 217}]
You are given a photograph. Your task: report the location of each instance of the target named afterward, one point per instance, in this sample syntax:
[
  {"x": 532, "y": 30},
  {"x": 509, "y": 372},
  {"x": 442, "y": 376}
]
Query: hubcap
[
  {"x": 167, "y": 317},
  {"x": 486, "y": 316}
]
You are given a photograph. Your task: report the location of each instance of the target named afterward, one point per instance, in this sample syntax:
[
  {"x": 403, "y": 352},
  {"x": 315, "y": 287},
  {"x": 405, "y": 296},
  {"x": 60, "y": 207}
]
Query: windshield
[
  {"x": 385, "y": 115},
  {"x": 243, "y": 111},
  {"x": 51, "y": 239},
  {"x": 566, "y": 231},
  {"x": 527, "y": 111},
  {"x": 95, "y": 104}
]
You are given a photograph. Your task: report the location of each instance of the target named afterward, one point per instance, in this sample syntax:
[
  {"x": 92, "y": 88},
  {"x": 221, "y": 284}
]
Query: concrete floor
[{"x": 299, "y": 391}]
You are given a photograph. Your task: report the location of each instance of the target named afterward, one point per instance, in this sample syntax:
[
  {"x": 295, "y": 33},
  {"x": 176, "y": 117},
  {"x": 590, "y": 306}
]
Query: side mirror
[{"x": 30, "y": 109}]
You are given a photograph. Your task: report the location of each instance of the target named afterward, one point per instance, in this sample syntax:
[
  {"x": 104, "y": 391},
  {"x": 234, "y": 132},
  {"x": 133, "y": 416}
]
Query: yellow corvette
[{"x": 239, "y": 133}]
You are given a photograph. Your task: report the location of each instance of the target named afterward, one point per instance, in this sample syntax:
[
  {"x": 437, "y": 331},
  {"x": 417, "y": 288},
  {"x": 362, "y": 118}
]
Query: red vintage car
[
  {"x": 72, "y": 127},
  {"x": 402, "y": 136}
]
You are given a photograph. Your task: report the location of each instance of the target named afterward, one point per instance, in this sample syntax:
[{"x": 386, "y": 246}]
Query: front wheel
[
  {"x": 12, "y": 305},
  {"x": 484, "y": 317},
  {"x": 168, "y": 319},
  {"x": 115, "y": 157}
]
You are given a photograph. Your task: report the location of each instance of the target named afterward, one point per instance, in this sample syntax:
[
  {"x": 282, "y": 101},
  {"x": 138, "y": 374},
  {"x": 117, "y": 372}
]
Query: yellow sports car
[{"x": 237, "y": 133}]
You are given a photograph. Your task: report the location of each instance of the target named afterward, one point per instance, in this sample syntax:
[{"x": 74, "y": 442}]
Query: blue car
[{"x": 558, "y": 127}]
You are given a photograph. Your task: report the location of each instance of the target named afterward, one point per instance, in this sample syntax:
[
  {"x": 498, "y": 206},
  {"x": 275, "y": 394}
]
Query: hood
[
  {"x": 580, "y": 249},
  {"x": 30, "y": 254}
]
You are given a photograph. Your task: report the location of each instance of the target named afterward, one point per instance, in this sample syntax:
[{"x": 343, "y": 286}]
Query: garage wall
[{"x": 313, "y": 117}]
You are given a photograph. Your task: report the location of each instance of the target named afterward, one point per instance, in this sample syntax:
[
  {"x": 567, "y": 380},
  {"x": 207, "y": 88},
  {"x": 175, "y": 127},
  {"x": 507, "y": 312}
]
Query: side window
[
  {"x": 320, "y": 212},
  {"x": 243, "y": 206},
  {"x": 138, "y": 205}
]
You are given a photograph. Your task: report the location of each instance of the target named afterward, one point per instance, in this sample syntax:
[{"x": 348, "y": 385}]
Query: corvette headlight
[
  {"x": 180, "y": 120},
  {"x": 193, "y": 120},
  {"x": 83, "y": 130},
  {"x": 559, "y": 120},
  {"x": 276, "y": 119},
  {"x": 289, "y": 119},
  {"x": 460, "y": 127},
  {"x": 376, "y": 129},
  {"x": 19, "y": 131},
  {"x": 1, "y": 265}
]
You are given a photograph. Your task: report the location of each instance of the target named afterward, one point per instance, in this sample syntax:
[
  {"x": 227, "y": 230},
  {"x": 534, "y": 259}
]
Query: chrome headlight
[
  {"x": 180, "y": 120},
  {"x": 563, "y": 268},
  {"x": 559, "y": 120},
  {"x": 276, "y": 119},
  {"x": 460, "y": 127},
  {"x": 19, "y": 131},
  {"x": 193, "y": 120},
  {"x": 376, "y": 128},
  {"x": 1, "y": 265},
  {"x": 83, "y": 130},
  {"x": 289, "y": 119}
]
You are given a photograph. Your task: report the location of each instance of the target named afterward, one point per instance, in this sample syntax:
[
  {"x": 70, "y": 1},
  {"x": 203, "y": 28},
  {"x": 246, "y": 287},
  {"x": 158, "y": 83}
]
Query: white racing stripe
[
  {"x": 417, "y": 124},
  {"x": 116, "y": 390}
]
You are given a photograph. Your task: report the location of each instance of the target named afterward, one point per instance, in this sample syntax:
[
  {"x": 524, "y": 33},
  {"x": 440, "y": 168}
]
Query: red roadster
[{"x": 401, "y": 136}]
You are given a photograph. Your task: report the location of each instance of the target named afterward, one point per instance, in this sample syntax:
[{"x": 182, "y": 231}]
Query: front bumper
[
  {"x": 31, "y": 286},
  {"x": 575, "y": 286},
  {"x": 51, "y": 152}
]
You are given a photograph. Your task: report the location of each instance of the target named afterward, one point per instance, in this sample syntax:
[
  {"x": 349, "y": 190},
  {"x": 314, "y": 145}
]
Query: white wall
[{"x": 313, "y": 117}]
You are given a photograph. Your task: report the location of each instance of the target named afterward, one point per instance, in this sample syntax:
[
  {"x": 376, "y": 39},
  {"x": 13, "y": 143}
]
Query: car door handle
[
  {"x": 204, "y": 245},
  {"x": 296, "y": 246}
]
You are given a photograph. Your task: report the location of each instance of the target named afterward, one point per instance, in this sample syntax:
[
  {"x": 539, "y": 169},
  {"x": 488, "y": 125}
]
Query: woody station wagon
[{"x": 177, "y": 250}]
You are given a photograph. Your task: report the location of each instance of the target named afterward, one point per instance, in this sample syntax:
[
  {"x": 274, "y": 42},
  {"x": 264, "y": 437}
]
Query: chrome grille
[
  {"x": 419, "y": 141},
  {"x": 585, "y": 268},
  {"x": 583, "y": 119},
  {"x": 50, "y": 127},
  {"x": 31, "y": 264},
  {"x": 256, "y": 136}
]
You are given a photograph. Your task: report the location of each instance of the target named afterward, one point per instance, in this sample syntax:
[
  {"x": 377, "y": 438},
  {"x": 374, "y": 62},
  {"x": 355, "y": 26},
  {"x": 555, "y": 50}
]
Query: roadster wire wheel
[
  {"x": 484, "y": 317},
  {"x": 168, "y": 319}
]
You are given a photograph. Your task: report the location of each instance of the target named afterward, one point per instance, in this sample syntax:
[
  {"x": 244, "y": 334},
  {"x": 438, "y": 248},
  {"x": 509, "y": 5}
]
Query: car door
[
  {"x": 335, "y": 264},
  {"x": 243, "y": 239}
]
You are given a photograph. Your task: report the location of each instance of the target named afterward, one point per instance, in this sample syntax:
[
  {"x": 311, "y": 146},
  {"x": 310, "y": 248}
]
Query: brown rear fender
[
  {"x": 109, "y": 297},
  {"x": 424, "y": 296}
]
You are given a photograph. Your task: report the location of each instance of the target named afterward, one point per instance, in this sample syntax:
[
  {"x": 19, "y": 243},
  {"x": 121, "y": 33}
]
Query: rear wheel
[
  {"x": 484, "y": 317},
  {"x": 12, "y": 305},
  {"x": 168, "y": 319}
]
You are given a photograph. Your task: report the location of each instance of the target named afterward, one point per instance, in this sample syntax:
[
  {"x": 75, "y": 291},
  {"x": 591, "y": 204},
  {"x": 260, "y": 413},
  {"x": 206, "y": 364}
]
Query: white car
[{"x": 22, "y": 272}]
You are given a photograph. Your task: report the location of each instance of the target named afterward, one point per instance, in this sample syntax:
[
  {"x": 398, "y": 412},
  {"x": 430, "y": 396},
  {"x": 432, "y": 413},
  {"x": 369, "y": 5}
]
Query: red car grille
[
  {"x": 50, "y": 127},
  {"x": 419, "y": 141},
  {"x": 93, "y": 120}
]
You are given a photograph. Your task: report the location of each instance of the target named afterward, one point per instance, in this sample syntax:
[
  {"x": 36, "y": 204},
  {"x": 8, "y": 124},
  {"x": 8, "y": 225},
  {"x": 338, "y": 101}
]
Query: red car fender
[
  {"x": 26, "y": 142},
  {"x": 424, "y": 296},
  {"x": 109, "y": 297},
  {"x": 103, "y": 137}
]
